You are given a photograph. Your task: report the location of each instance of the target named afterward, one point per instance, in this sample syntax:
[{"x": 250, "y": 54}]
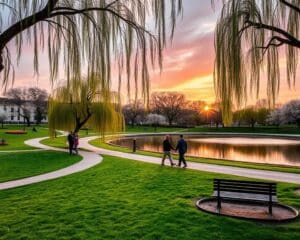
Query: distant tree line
[
  {"x": 260, "y": 114},
  {"x": 171, "y": 109}
]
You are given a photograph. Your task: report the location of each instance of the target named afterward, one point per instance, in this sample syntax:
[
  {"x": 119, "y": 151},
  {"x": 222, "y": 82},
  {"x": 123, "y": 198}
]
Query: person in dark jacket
[
  {"x": 71, "y": 142},
  {"x": 182, "y": 148},
  {"x": 167, "y": 147}
]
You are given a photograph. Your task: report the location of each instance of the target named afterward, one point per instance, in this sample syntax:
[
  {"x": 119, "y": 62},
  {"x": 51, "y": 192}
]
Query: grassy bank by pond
[
  {"x": 99, "y": 143},
  {"x": 292, "y": 129},
  {"x": 61, "y": 143},
  {"x": 123, "y": 199},
  {"x": 261, "y": 129}
]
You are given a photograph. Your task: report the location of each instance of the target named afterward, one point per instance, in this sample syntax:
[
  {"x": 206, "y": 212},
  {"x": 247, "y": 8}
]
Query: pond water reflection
[{"x": 247, "y": 149}]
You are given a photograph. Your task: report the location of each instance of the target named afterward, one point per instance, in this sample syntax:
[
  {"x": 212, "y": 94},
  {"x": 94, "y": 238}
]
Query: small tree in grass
[{"x": 84, "y": 102}]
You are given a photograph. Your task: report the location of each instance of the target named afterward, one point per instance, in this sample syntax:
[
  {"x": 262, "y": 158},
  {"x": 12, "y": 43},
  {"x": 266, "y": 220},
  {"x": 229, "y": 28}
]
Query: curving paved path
[
  {"x": 89, "y": 159},
  {"x": 237, "y": 171},
  {"x": 93, "y": 158}
]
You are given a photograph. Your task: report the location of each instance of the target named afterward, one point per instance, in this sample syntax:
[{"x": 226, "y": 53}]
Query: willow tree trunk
[
  {"x": 1, "y": 62},
  {"x": 80, "y": 123}
]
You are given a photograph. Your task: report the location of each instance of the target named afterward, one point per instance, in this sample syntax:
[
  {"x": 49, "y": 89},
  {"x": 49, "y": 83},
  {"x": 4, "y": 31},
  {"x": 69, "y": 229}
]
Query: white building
[{"x": 13, "y": 113}]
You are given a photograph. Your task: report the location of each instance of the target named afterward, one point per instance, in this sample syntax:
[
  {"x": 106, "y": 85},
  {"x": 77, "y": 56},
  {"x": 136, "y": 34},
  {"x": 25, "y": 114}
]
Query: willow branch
[
  {"x": 64, "y": 11},
  {"x": 25, "y": 23},
  {"x": 297, "y": 9},
  {"x": 293, "y": 41}
]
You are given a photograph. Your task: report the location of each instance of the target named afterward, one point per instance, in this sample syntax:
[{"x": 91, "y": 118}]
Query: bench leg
[
  {"x": 270, "y": 208},
  {"x": 219, "y": 204}
]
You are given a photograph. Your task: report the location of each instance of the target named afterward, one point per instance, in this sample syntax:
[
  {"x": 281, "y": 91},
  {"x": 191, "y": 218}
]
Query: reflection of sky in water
[
  {"x": 247, "y": 141},
  {"x": 259, "y": 150}
]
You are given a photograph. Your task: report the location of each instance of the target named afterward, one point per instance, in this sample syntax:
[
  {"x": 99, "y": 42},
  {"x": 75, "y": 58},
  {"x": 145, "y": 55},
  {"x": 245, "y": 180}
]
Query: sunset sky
[{"x": 188, "y": 61}]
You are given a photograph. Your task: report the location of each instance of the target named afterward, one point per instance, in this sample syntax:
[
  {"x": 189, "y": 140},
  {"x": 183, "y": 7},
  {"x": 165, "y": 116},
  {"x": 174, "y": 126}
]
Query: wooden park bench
[{"x": 245, "y": 191}]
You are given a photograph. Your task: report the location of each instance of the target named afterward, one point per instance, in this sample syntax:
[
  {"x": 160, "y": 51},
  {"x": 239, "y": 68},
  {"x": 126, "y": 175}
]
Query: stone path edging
[
  {"x": 20, "y": 151},
  {"x": 236, "y": 171},
  {"x": 89, "y": 159}
]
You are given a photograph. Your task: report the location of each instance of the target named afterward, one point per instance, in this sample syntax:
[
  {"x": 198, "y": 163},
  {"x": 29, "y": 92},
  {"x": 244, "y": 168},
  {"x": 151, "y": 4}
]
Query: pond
[{"x": 279, "y": 151}]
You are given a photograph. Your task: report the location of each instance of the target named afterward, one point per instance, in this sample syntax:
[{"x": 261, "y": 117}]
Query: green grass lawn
[
  {"x": 59, "y": 142},
  {"x": 25, "y": 164},
  {"x": 16, "y": 142},
  {"x": 123, "y": 199}
]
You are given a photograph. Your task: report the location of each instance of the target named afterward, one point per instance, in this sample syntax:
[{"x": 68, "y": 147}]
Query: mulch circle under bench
[{"x": 248, "y": 200}]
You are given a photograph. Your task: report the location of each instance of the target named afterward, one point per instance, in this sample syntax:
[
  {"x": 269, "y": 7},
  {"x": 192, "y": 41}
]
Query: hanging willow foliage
[
  {"x": 98, "y": 33},
  {"x": 248, "y": 38},
  {"x": 85, "y": 103}
]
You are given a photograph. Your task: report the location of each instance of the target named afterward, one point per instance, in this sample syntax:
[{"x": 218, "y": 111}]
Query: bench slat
[
  {"x": 244, "y": 186},
  {"x": 245, "y": 190},
  {"x": 245, "y": 196},
  {"x": 242, "y": 181}
]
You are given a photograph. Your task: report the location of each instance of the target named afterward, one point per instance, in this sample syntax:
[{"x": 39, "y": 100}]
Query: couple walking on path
[
  {"x": 181, "y": 147},
  {"x": 73, "y": 141}
]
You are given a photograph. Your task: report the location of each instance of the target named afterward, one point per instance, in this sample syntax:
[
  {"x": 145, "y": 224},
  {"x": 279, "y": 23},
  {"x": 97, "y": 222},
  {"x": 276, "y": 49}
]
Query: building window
[
  {"x": 12, "y": 118},
  {"x": 4, "y": 108},
  {"x": 19, "y": 118},
  {"x": 12, "y": 109}
]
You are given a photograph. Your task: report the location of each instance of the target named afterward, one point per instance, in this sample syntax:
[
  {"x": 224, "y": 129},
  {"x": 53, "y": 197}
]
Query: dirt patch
[{"x": 248, "y": 210}]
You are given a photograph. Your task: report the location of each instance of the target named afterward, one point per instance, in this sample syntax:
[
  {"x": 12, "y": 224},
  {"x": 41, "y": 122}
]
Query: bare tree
[
  {"x": 169, "y": 104},
  {"x": 26, "y": 99},
  {"x": 39, "y": 99},
  {"x": 19, "y": 98},
  {"x": 134, "y": 111},
  {"x": 198, "y": 108},
  {"x": 216, "y": 114}
]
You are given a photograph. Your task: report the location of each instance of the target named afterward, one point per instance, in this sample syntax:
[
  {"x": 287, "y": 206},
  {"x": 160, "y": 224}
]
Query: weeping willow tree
[
  {"x": 248, "y": 40},
  {"x": 97, "y": 33},
  {"x": 82, "y": 103}
]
